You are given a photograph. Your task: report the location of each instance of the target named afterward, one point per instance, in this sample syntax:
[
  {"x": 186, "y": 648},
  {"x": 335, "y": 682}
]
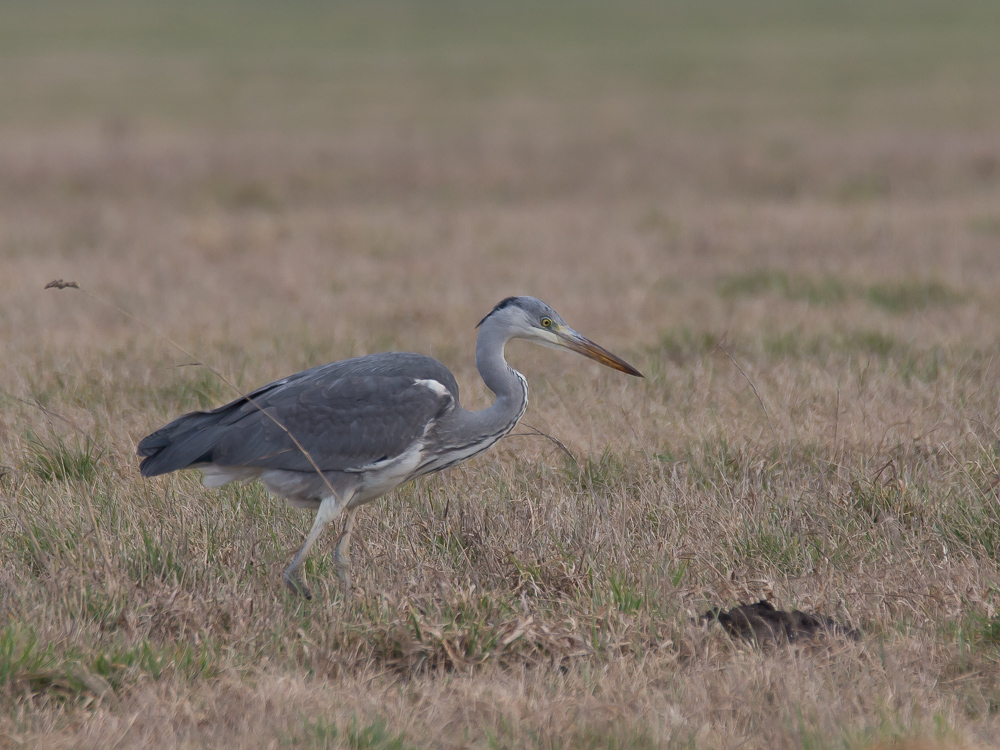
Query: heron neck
[{"x": 508, "y": 385}]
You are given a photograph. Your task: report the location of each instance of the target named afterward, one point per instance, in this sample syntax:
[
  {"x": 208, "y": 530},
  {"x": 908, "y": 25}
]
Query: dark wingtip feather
[
  {"x": 147, "y": 469},
  {"x": 151, "y": 445},
  {"x": 178, "y": 445},
  {"x": 150, "y": 448}
]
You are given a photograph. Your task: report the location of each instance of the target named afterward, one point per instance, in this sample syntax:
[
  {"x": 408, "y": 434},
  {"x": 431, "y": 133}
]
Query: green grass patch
[
  {"x": 862, "y": 188},
  {"x": 974, "y": 630},
  {"x": 771, "y": 545},
  {"x": 988, "y": 225},
  {"x": 624, "y": 594},
  {"x": 27, "y": 664},
  {"x": 374, "y": 735},
  {"x": 246, "y": 196},
  {"x": 971, "y": 520},
  {"x": 613, "y": 737},
  {"x": 911, "y": 296},
  {"x": 925, "y": 366},
  {"x": 892, "y": 297},
  {"x": 789, "y": 344},
  {"x": 155, "y": 560},
  {"x": 610, "y": 472},
  {"x": 21, "y": 655},
  {"x": 682, "y": 343},
  {"x": 795, "y": 343},
  {"x": 717, "y": 463},
  {"x": 874, "y": 343},
  {"x": 878, "y": 500},
  {"x": 825, "y": 291},
  {"x": 890, "y": 355},
  {"x": 203, "y": 390},
  {"x": 58, "y": 460},
  {"x": 100, "y": 606}
]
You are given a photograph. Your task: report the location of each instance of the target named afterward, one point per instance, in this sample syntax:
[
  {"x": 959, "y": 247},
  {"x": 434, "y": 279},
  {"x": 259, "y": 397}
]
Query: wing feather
[{"x": 346, "y": 415}]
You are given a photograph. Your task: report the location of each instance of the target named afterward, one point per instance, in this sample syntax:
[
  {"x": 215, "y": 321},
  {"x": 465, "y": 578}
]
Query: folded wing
[{"x": 346, "y": 415}]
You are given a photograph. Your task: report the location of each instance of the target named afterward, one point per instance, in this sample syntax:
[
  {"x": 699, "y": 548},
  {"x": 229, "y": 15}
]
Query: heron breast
[{"x": 385, "y": 476}]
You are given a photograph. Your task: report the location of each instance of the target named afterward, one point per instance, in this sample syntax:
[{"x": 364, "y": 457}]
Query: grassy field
[{"x": 786, "y": 214}]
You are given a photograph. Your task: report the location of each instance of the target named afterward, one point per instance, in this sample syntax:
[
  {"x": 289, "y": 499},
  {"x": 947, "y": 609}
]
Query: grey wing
[
  {"x": 344, "y": 426},
  {"x": 346, "y": 416}
]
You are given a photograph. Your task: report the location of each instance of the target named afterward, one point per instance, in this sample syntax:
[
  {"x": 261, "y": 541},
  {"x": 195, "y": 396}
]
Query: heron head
[{"x": 531, "y": 319}]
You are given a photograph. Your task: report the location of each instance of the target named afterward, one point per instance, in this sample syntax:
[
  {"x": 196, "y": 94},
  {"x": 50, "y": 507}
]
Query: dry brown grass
[{"x": 521, "y": 600}]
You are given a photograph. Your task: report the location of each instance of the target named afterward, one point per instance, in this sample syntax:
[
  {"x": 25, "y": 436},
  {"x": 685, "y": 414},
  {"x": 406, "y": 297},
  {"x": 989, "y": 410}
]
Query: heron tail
[{"x": 185, "y": 442}]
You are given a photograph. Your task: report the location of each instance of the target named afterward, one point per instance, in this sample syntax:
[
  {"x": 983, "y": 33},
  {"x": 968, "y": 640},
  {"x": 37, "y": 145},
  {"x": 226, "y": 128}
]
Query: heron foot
[{"x": 293, "y": 582}]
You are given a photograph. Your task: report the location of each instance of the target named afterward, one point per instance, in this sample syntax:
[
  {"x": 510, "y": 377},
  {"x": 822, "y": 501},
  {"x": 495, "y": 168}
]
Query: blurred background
[
  {"x": 721, "y": 166},
  {"x": 229, "y": 127},
  {"x": 281, "y": 185},
  {"x": 380, "y": 173},
  {"x": 580, "y": 72}
]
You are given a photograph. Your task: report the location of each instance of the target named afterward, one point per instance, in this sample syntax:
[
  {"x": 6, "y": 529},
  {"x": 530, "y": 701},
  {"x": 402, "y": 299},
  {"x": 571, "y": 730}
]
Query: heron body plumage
[{"x": 340, "y": 435}]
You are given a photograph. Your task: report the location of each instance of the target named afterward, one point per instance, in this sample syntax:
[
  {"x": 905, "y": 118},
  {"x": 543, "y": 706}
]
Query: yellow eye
[{"x": 546, "y": 322}]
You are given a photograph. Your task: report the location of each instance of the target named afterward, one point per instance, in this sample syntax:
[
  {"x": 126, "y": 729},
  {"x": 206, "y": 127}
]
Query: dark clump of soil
[{"x": 761, "y": 623}]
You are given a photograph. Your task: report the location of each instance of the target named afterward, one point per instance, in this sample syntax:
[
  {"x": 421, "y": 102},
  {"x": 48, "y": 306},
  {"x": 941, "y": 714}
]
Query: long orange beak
[{"x": 582, "y": 345}]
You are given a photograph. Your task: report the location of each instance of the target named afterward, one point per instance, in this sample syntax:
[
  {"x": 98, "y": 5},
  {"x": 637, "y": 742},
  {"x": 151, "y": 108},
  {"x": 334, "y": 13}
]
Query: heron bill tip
[{"x": 582, "y": 345}]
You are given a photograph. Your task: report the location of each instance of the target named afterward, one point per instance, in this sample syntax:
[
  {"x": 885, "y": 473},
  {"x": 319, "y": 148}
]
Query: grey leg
[
  {"x": 329, "y": 509},
  {"x": 342, "y": 557}
]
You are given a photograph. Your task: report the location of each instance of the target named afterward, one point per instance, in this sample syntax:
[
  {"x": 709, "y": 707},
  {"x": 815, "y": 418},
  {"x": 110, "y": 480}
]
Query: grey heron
[{"x": 340, "y": 435}]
